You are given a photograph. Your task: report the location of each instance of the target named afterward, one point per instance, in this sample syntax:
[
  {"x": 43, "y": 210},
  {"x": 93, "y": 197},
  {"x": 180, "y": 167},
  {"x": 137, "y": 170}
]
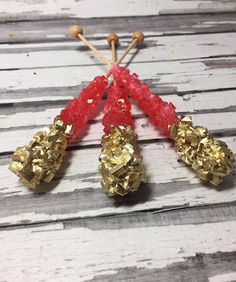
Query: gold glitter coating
[
  {"x": 121, "y": 165},
  {"x": 42, "y": 158},
  {"x": 211, "y": 159}
]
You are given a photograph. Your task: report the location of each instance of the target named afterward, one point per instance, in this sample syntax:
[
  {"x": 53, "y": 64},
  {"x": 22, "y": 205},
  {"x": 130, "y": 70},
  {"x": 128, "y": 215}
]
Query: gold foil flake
[
  {"x": 121, "y": 165},
  {"x": 211, "y": 159},
  {"x": 42, "y": 158}
]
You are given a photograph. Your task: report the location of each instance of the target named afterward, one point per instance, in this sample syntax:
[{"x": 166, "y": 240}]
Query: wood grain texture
[
  {"x": 219, "y": 123},
  {"x": 171, "y": 76},
  {"x": 26, "y": 10},
  {"x": 190, "y": 76},
  {"x": 152, "y": 247},
  {"x": 175, "y": 228},
  {"x": 97, "y": 28},
  {"x": 73, "y": 53},
  {"x": 40, "y": 113},
  {"x": 76, "y": 192}
]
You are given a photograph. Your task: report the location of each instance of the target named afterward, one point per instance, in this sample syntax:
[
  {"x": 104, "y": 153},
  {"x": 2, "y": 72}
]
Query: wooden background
[{"x": 175, "y": 228}]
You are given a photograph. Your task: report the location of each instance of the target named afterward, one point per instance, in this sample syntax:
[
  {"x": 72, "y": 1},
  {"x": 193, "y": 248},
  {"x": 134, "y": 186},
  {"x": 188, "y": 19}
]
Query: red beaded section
[
  {"x": 117, "y": 110},
  {"x": 83, "y": 108},
  {"x": 161, "y": 113}
]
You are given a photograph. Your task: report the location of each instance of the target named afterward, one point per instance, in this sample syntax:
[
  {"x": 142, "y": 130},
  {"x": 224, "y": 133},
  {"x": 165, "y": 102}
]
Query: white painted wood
[
  {"x": 84, "y": 161},
  {"x": 215, "y": 122},
  {"x": 46, "y": 72},
  {"x": 157, "y": 49},
  {"x": 16, "y": 10},
  {"x": 225, "y": 277},
  {"x": 170, "y": 184},
  {"x": 7, "y": 99},
  {"x": 57, "y": 30},
  {"x": 198, "y": 74},
  {"x": 190, "y": 103},
  {"x": 53, "y": 253}
]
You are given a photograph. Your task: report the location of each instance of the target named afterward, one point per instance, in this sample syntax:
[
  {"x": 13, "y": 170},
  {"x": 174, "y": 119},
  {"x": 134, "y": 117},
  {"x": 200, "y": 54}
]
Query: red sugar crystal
[
  {"x": 117, "y": 109},
  {"x": 161, "y": 113},
  {"x": 81, "y": 109}
]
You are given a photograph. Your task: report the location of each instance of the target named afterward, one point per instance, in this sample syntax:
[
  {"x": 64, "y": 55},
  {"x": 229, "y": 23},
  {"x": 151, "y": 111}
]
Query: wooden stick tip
[
  {"x": 139, "y": 36},
  {"x": 113, "y": 37},
  {"x": 75, "y": 30}
]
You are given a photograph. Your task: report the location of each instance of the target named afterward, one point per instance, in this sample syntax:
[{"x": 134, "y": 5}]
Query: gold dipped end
[
  {"x": 211, "y": 159},
  {"x": 41, "y": 159},
  {"x": 121, "y": 164}
]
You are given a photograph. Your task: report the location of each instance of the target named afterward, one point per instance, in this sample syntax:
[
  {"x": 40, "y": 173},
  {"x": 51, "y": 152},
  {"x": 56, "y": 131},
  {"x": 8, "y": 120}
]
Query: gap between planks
[{"x": 179, "y": 215}]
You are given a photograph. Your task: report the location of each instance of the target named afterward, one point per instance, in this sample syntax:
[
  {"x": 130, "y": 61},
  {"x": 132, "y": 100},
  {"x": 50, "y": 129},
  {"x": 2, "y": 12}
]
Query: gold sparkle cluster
[
  {"x": 42, "y": 158},
  {"x": 211, "y": 159},
  {"x": 121, "y": 165}
]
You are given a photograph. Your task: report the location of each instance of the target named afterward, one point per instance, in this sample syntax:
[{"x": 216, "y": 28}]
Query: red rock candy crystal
[
  {"x": 161, "y": 113},
  {"x": 117, "y": 109},
  {"x": 83, "y": 108}
]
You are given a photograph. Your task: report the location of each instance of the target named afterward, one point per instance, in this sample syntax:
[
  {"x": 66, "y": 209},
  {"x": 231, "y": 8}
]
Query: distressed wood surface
[
  {"x": 73, "y": 53},
  {"x": 170, "y": 184},
  {"x": 219, "y": 123},
  {"x": 179, "y": 246},
  {"x": 28, "y": 10},
  {"x": 57, "y": 30},
  {"x": 175, "y": 228},
  {"x": 176, "y": 76}
]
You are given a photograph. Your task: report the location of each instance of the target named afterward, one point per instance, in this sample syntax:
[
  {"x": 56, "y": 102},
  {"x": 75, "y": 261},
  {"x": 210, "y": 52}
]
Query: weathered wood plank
[
  {"x": 72, "y": 194},
  {"x": 167, "y": 77},
  {"x": 26, "y": 10},
  {"x": 166, "y": 48},
  {"x": 30, "y": 114},
  {"x": 176, "y": 216},
  {"x": 57, "y": 30},
  {"x": 145, "y": 250},
  {"x": 219, "y": 123},
  {"x": 68, "y": 233}
]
